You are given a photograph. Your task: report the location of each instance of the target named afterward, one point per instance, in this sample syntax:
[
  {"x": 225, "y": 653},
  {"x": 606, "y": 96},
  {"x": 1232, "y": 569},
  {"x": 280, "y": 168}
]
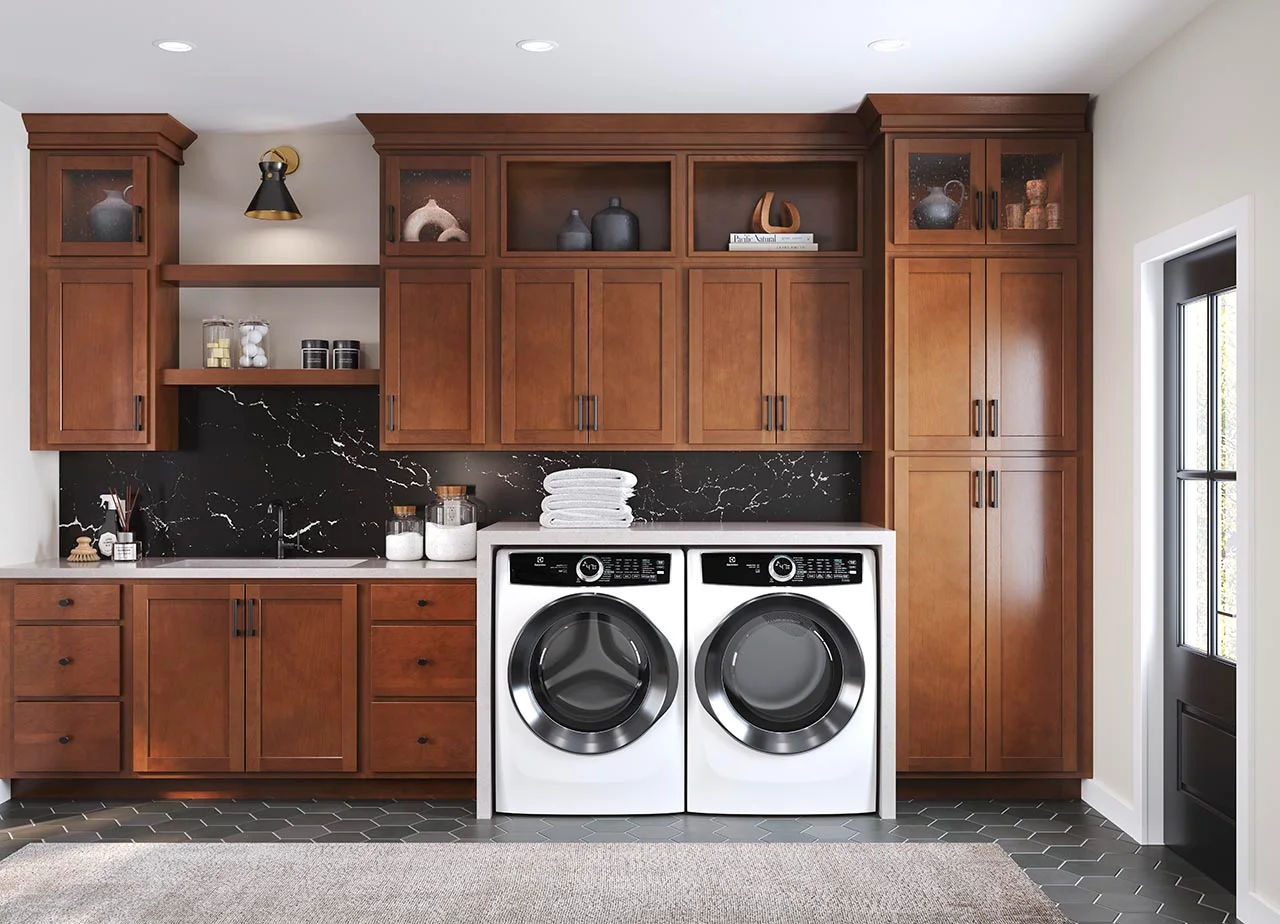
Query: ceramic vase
[
  {"x": 111, "y": 220},
  {"x": 615, "y": 228},
  {"x": 938, "y": 211},
  {"x": 574, "y": 233}
]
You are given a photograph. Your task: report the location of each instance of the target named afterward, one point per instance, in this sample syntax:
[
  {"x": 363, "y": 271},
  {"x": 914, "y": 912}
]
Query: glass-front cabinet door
[
  {"x": 96, "y": 206},
  {"x": 938, "y": 187},
  {"x": 1033, "y": 192},
  {"x": 433, "y": 206}
]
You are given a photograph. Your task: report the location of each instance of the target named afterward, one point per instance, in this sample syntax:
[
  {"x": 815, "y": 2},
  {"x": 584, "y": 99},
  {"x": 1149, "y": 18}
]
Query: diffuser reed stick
[{"x": 124, "y": 510}]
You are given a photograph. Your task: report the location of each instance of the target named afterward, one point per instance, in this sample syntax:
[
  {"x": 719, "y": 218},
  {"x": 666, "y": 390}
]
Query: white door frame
[{"x": 1235, "y": 218}]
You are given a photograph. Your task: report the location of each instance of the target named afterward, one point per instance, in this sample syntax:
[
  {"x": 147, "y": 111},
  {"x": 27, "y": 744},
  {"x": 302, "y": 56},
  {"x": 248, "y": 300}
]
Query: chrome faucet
[{"x": 278, "y": 508}]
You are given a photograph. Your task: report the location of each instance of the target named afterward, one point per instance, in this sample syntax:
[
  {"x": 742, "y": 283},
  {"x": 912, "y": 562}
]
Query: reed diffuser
[{"x": 126, "y": 547}]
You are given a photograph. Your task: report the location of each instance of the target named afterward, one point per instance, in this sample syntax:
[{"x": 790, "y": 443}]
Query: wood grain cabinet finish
[
  {"x": 64, "y": 661},
  {"x": 447, "y": 601},
  {"x": 433, "y": 358},
  {"x": 422, "y": 737},
  {"x": 408, "y": 661},
  {"x": 66, "y": 737},
  {"x": 66, "y": 602},
  {"x": 74, "y": 185}
]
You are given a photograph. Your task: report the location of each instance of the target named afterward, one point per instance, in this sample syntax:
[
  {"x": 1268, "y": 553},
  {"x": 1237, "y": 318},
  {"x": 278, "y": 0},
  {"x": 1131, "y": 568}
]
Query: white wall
[
  {"x": 30, "y": 478},
  {"x": 336, "y": 189},
  {"x": 1192, "y": 127}
]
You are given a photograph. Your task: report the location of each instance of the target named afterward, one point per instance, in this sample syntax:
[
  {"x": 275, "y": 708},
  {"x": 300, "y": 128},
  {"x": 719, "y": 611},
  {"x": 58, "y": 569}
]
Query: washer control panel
[
  {"x": 794, "y": 569},
  {"x": 593, "y": 569}
]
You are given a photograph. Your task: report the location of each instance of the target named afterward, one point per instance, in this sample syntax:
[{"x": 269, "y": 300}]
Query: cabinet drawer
[
  {"x": 423, "y": 738},
  {"x": 64, "y": 602},
  {"x": 66, "y": 737},
  {"x": 66, "y": 661},
  {"x": 424, "y": 661},
  {"x": 422, "y": 602}
]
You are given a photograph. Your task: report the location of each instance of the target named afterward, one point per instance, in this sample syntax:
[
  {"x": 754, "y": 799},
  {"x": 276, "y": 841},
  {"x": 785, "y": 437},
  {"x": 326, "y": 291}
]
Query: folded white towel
[
  {"x": 573, "y": 519},
  {"x": 604, "y": 495},
  {"x": 606, "y": 508},
  {"x": 589, "y": 478}
]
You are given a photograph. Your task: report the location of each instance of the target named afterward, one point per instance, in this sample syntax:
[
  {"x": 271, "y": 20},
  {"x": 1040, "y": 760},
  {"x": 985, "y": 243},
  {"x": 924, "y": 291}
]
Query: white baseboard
[
  {"x": 1122, "y": 814},
  {"x": 6, "y": 793},
  {"x": 1254, "y": 909}
]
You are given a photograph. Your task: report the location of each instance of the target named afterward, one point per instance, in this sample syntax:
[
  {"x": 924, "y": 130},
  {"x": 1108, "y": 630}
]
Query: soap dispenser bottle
[{"x": 110, "y": 526}]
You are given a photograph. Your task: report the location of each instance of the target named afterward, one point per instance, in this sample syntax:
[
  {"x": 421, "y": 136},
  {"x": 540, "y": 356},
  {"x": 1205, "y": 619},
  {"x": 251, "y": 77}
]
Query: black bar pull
[
  {"x": 977, "y": 210},
  {"x": 138, "y": 224},
  {"x": 994, "y": 493},
  {"x": 595, "y": 412},
  {"x": 391, "y": 224},
  {"x": 977, "y": 417},
  {"x": 768, "y": 412},
  {"x": 252, "y": 629},
  {"x": 391, "y": 412},
  {"x": 137, "y": 413},
  {"x": 977, "y": 489},
  {"x": 995, "y": 210},
  {"x": 579, "y": 427},
  {"x": 782, "y": 412},
  {"x": 993, "y": 412},
  {"x": 235, "y": 618}
]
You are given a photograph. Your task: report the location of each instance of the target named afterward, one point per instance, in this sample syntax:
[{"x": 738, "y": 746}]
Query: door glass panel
[
  {"x": 1227, "y": 380},
  {"x": 782, "y": 672},
  {"x": 590, "y": 673},
  {"x": 941, "y": 188},
  {"x": 1226, "y": 640},
  {"x": 1195, "y": 565},
  {"x": 435, "y": 205},
  {"x": 97, "y": 206},
  {"x": 1195, "y": 384},
  {"x": 1032, "y": 191}
]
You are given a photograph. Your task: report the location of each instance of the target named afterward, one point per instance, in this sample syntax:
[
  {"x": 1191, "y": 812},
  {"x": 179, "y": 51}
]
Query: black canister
[
  {"x": 315, "y": 354},
  {"x": 346, "y": 354},
  {"x": 615, "y": 228}
]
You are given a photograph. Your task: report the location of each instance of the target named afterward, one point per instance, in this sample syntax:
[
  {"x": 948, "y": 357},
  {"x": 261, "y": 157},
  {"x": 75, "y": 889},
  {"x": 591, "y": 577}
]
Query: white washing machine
[
  {"x": 782, "y": 681},
  {"x": 589, "y": 718}
]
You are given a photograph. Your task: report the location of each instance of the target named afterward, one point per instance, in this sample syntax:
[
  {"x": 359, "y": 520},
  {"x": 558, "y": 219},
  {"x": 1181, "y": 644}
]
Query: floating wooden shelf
[
  {"x": 261, "y": 377},
  {"x": 269, "y": 275}
]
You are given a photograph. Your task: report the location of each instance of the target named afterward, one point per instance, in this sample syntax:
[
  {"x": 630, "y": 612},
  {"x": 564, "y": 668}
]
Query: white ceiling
[{"x": 268, "y": 66}]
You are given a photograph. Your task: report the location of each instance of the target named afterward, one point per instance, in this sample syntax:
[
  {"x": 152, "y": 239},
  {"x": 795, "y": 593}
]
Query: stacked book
[{"x": 775, "y": 242}]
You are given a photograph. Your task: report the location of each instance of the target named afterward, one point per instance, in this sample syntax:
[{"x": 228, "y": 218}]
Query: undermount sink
[{"x": 262, "y": 563}]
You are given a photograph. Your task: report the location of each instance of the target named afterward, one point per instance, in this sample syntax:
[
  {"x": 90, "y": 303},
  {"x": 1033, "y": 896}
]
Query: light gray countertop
[
  {"x": 686, "y": 534},
  {"x": 155, "y": 569}
]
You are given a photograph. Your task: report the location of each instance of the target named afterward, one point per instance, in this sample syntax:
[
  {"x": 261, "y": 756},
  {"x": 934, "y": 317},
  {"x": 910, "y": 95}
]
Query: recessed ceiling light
[
  {"x": 537, "y": 45},
  {"x": 174, "y": 46},
  {"x": 889, "y": 44}
]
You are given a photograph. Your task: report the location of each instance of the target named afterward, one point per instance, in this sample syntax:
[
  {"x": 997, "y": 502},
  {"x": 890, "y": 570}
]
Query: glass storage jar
[
  {"x": 254, "y": 345},
  {"x": 217, "y": 343},
  {"x": 452, "y": 520},
  {"x": 404, "y": 534}
]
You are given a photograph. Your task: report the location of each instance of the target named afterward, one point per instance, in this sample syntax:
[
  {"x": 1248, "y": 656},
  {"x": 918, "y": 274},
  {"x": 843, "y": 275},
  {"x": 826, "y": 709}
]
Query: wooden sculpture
[{"x": 760, "y": 218}]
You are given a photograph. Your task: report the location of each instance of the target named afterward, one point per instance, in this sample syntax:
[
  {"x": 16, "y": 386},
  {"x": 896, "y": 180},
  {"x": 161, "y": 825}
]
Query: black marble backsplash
[{"x": 317, "y": 449}]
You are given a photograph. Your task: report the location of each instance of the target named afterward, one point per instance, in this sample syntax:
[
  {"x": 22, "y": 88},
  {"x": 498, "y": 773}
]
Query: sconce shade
[{"x": 272, "y": 201}]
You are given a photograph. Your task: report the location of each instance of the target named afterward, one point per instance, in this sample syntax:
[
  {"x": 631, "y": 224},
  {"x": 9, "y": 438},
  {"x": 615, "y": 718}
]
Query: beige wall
[
  {"x": 30, "y": 478},
  {"x": 1191, "y": 128},
  {"x": 336, "y": 189}
]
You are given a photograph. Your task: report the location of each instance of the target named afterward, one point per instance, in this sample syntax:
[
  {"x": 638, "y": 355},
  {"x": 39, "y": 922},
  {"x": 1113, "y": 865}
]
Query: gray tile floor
[{"x": 1092, "y": 870}]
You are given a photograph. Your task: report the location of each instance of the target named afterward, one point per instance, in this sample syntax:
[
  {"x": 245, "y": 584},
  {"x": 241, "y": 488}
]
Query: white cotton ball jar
[{"x": 255, "y": 351}]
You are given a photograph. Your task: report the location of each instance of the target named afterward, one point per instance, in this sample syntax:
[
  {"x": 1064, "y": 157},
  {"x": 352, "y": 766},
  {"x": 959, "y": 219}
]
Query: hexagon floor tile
[{"x": 1093, "y": 871}]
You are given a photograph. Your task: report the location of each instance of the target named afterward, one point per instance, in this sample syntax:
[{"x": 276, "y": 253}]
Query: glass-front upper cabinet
[
  {"x": 1034, "y": 197},
  {"x": 96, "y": 206},
  {"x": 433, "y": 206},
  {"x": 937, "y": 191}
]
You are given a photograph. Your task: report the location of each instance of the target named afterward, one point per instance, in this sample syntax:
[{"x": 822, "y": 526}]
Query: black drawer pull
[
  {"x": 65, "y": 601},
  {"x": 423, "y": 662},
  {"x": 65, "y": 739},
  {"x": 422, "y": 603},
  {"x": 422, "y": 740},
  {"x": 64, "y": 661}
]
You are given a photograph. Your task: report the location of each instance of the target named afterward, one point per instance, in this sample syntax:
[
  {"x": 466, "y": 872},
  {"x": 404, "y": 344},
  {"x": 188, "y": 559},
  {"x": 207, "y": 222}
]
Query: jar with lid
[
  {"x": 217, "y": 343},
  {"x": 254, "y": 344},
  {"x": 404, "y": 534},
  {"x": 452, "y": 520}
]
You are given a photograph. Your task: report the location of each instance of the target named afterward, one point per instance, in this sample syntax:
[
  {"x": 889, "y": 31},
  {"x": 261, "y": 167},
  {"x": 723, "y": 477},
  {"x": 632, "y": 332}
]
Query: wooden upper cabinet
[
  {"x": 300, "y": 678},
  {"x": 544, "y": 356},
  {"x": 96, "y": 205},
  {"x": 433, "y": 358},
  {"x": 188, "y": 678},
  {"x": 633, "y": 325},
  {"x": 96, "y": 366},
  {"x": 1033, "y": 620},
  {"x": 433, "y": 206},
  {"x": 1034, "y": 192},
  {"x": 732, "y": 356},
  {"x": 819, "y": 356},
  {"x": 1032, "y": 357},
  {"x": 940, "y": 518},
  {"x": 939, "y": 354},
  {"x": 927, "y": 171}
]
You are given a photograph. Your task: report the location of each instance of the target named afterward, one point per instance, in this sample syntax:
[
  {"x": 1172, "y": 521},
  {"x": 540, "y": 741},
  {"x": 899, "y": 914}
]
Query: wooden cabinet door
[
  {"x": 957, "y": 167},
  {"x": 433, "y": 358},
  {"x": 940, "y": 516},
  {"x": 96, "y": 205},
  {"x": 544, "y": 356},
  {"x": 300, "y": 679},
  {"x": 188, "y": 678},
  {"x": 1033, "y": 354},
  {"x": 1022, "y": 172},
  {"x": 412, "y": 183},
  {"x": 732, "y": 356},
  {"x": 96, "y": 384},
  {"x": 939, "y": 354},
  {"x": 1033, "y": 625},
  {"x": 819, "y": 356},
  {"x": 633, "y": 326}
]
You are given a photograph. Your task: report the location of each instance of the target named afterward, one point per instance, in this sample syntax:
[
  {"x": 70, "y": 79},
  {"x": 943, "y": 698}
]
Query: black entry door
[{"x": 1200, "y": 559}]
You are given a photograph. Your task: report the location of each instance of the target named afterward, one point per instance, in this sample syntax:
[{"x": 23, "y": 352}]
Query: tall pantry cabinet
[{"x": 982, "y": 460}]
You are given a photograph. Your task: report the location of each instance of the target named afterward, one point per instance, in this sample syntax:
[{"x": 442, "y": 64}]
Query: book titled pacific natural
[{"x": 767, "y": 242}]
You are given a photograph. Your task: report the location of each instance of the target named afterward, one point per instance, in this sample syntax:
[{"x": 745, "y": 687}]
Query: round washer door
[
  {"x": 589, "y": 674},
  {"x": 782, "y": 674}
]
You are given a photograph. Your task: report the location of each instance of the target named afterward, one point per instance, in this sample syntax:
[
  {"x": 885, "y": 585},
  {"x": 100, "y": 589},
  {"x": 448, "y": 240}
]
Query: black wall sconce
[{"x": 272, "y": 201}]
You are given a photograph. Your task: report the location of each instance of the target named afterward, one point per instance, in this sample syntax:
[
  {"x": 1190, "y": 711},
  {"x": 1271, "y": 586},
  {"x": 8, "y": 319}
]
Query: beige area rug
[{"x": 518, "y": 883}]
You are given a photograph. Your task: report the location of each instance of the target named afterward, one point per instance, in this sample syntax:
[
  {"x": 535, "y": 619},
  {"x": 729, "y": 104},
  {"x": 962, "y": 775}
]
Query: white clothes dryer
[
  {"x": 589, "y": 717},
  {"x": 782, "y": 682}
]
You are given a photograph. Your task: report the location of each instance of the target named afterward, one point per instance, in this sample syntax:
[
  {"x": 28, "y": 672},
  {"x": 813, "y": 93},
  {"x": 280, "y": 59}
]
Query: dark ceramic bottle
[
  {"x": 574, "y": 233},
  {"x": 112, "y": 218},
  {"x": 615, "y": 228}
]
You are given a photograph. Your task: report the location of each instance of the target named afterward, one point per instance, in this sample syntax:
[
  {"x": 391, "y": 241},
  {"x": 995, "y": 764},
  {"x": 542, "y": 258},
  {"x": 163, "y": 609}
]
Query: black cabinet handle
[
  {"x": 423, "y": 739},
  {"x": 977, "y": 210},
  {"x": 235, "y": 618},
  {"x": 595, "y": 412},
  {"x": 65, "y": 739},
  {"x": 252, "y": 629},
  {"x": 782, "y": 412},
  {"x": 65, "y": 601},
  {"x": 993, "y": 412},
  {"x": 391, "y": 412},
  {"x": 422, "y": 603},
  {"x": 977, "y": 417},
  {"x": 138, "y": 224},
  {"x": 994, "y": 493},
  {"x": 977, "y": 489},
  {"x": 580, "y": 399},
  {"x": 391, "y": 224},
  {"x": 995, "y": 210},
  {"x": 768, "y": 412},
  {"x": 64, "y": 661},
  {"x": 423, "y": 662},
  {"x": 137, "y": 412}
]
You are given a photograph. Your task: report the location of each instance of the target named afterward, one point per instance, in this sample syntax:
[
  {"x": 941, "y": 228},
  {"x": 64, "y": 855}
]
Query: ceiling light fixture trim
[
  {"x": 537, "y": 46},
  {"x": 887, "y": 45},
  {"x": 174, "y": 45}
]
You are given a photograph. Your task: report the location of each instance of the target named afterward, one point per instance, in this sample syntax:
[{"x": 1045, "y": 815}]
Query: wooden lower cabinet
[
  {"x": 423, "y": 737},
  {"x": 66, "y": 737},
  {"x": 988, "y": 624}
]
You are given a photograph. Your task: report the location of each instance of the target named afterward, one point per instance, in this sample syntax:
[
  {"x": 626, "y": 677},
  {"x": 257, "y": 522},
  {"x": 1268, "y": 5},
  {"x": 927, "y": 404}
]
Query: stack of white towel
[{"x": 588, "y": 497}]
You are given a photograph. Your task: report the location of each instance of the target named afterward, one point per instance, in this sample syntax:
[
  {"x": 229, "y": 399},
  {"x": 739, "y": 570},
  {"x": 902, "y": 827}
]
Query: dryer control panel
[
  {"x": 590, "y": 569},
  {"x": 789, "y": 569}
]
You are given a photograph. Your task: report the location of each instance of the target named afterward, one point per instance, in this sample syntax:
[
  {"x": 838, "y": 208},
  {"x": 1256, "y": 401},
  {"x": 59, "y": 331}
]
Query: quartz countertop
[
  {"x": 775, "y": 534},
  {"x": 156, "y": 569}
]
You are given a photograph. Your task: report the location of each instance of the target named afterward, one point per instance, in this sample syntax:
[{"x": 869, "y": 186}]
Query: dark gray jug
[
  {"x": 574, "y": 233},
  {"x": 615, "y": 228}
]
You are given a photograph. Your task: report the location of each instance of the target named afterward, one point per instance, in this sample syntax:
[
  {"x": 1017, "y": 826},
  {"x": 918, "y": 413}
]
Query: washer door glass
[
  {"x": 590, "y": 674},
  {"x": 782, "y": 674}
]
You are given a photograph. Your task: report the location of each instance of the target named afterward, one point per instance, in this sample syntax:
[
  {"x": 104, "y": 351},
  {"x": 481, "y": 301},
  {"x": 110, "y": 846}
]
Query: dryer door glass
[
  {"x": 782, "y": 674},
  {"x": 591, "y": 674}
]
